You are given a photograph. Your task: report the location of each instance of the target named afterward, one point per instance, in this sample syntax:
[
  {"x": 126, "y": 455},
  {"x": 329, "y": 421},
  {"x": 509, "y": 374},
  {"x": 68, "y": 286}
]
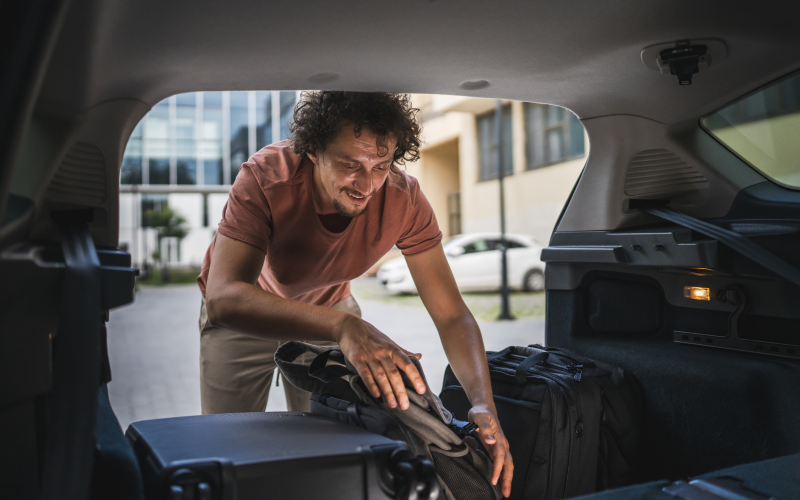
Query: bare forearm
[
  {"x": 245, "y": 308},
  {"x": 461, "y": 337},
  {"x": 463, "y": 344}
]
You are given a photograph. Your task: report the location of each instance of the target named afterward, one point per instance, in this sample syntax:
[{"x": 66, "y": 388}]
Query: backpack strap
[
  {"x": 352, "y": 413},
  {"x": 298, "y": 374},
  {"x": 319, "y": 368}
]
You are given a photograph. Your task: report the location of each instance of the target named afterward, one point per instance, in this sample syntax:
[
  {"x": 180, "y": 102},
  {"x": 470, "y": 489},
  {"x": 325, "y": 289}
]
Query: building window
[
  {"x": 240, "y": 149},
  {"x": 486, "y": 145},
  {"x": 185, "y": 134},
  {"x": 263, "y": 119},
  {"x": 193, "y": 138},
  {"x": 131, "y": 170},
  {"x": 454, "y": 213},
  {"x": 211, "y": 145},
  {"x": 552, "y": 135},
  {"x": 156, "y": 143},
  {"x": 287, "y": 110},
  {"x": 152, "y": 204}
]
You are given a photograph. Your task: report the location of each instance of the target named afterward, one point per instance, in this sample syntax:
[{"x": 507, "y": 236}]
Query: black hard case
[{"x": 280, "y": 455}]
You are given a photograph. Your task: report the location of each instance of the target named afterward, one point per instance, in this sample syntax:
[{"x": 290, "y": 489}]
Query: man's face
[{"x": 350, "y": 171}]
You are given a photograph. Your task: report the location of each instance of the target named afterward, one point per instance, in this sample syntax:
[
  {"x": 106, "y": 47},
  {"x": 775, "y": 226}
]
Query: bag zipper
[{"x": 576, "y": 370}]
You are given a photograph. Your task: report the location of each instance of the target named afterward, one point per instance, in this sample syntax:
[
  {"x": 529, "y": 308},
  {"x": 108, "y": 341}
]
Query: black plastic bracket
[
  {"x": 212, "y": 479},
  {"x": 683, "y": 61},
  {"x": 71, "y": 407},
  {"x": 735, "y": 296}
]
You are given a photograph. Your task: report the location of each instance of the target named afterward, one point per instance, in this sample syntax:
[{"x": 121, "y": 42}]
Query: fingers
[
  {"x": 368, "y": 379},
  {"x": 377, "y": 358},
  {"x": 386, "y": 377},
  {"x": 411, "y": 354},
  {"x": 508, "y": 473},
  {"x": 385, "y": 384},
  {"x": 502, "y": 465},
  {"x": 411, "y": 372},
  {"x": 396, "y": 382},
  {"x": 487, "y": 430},
  {"x": 498, "y": 457},
  {"x": 496, "y": 443}
]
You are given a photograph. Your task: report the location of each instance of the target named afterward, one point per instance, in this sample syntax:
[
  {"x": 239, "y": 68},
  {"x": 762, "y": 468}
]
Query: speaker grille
[
  {"x": 656, "y": 171},
  {"x": 81, "y": 177}
]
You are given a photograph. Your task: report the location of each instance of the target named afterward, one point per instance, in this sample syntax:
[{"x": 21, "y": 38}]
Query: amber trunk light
[{"x": 696, "y": 293}]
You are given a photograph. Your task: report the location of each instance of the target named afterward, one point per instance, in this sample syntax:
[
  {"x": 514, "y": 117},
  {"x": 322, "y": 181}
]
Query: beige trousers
[{"x": 236, "y": 370}]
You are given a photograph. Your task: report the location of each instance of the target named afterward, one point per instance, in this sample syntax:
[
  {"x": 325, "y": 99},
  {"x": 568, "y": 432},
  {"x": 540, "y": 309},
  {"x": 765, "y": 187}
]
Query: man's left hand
[{"x": 495, "y": 442}]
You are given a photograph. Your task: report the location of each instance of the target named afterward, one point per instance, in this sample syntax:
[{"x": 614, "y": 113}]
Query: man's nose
[{"x": 363, "y": 181}]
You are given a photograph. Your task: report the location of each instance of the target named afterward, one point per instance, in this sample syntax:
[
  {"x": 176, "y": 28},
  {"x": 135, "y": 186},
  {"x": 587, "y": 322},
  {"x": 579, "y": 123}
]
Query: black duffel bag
[{"x": 572, "y": 423}]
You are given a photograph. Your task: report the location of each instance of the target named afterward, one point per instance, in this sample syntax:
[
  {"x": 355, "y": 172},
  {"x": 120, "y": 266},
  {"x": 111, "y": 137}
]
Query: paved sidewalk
[{"x": 154, "y": 347}]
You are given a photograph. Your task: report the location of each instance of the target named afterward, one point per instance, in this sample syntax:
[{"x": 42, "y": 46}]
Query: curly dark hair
[{"x": 319, "y": 115}]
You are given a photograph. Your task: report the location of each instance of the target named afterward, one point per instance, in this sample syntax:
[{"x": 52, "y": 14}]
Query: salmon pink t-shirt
[{"x": 271, "y": 207}]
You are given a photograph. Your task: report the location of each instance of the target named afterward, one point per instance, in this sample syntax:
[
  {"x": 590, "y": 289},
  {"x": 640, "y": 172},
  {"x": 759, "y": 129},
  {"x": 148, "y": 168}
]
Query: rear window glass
[{"x": 764, "y": 130}]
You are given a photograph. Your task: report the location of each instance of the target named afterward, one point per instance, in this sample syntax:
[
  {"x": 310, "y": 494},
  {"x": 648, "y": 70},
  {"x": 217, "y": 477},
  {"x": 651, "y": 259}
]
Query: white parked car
[{"x": 475, "y": 261}]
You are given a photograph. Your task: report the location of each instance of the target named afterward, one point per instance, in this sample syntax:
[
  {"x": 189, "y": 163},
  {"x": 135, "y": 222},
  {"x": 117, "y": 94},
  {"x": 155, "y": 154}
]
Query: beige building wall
[
  {"x": 534, "y": 198},
  {"x": 439, "y": 167}
]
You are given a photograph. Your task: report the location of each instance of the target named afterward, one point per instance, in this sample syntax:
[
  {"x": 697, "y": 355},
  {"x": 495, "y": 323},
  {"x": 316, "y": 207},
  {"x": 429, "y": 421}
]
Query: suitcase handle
[
  {"x": 499, "y": 354},
  {"x": 522, "y": 369}
]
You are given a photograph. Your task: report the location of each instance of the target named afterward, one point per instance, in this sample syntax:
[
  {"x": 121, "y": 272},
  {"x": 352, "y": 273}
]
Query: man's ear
[{"x": 312, "y": 155}]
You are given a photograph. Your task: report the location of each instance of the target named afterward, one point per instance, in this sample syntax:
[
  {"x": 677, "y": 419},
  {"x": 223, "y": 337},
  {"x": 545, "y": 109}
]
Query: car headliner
[
  {"x": 584, "y": 55},
  {"x": 114, "y": 59}
]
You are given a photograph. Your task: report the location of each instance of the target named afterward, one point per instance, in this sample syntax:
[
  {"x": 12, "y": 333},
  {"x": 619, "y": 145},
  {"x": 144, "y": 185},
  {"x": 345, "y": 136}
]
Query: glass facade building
[{"x": 202, "y": 138}]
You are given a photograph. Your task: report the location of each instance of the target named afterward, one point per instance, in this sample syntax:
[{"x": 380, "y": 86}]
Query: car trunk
[{"x": 707, "y": 408}]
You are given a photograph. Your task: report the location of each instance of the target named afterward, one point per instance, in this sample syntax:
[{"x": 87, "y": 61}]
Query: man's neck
[
  {"x": 323, "y": 204},
  {"x": 334, "y": 223}
]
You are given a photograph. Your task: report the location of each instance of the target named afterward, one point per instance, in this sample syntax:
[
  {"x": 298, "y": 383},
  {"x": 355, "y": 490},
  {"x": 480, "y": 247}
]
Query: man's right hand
[{"x": 378, "y": 360}]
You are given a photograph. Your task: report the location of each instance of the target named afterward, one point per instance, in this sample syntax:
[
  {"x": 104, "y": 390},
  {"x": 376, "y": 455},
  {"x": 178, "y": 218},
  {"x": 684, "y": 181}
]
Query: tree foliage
[{"x": 168, "y": 223}]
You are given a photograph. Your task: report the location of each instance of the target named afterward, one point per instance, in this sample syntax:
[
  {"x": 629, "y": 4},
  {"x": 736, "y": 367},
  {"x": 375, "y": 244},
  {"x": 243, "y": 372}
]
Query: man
[{"x": 304, "y": 217}]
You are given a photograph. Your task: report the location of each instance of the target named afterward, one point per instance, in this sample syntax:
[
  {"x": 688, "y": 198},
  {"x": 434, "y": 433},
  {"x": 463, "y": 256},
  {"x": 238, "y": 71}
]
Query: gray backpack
[{"x": 428, "y": 429}]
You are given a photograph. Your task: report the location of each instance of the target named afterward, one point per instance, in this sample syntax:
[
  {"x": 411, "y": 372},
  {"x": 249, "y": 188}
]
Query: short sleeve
[
  {"x": 247, "y": 216},
  {"x": 421, "y": 230}
]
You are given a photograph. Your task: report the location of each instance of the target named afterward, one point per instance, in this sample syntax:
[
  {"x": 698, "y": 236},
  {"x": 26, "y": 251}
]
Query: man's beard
[{"x": 345, "y": 212}]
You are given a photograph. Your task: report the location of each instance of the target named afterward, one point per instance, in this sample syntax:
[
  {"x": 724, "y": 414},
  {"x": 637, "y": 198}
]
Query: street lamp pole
[
  {"x": 505, "y": 312},
  {"x": 134, "y": 226}
]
